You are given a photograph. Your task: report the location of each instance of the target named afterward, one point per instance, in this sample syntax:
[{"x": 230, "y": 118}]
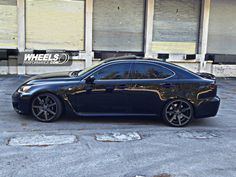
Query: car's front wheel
[
  {"x": 46, "y": 107},
  {"x": 178, "y": 113}
]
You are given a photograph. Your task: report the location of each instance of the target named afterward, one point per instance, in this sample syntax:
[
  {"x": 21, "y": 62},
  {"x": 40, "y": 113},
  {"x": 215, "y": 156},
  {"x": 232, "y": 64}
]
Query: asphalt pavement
[{"x": 117, "y": 147}]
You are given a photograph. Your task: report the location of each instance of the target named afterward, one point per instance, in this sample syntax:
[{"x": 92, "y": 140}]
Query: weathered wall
[
  {"x": 224, "y": 70},
  {"x": 176, "y": 26},
  {"x": 8, "y": 24},
  {"x": 10, "y": 67},
  {"x": 118, "y": 25},
  {"x": 57, "y": 24},
  {"x": 222, "y": 27}
]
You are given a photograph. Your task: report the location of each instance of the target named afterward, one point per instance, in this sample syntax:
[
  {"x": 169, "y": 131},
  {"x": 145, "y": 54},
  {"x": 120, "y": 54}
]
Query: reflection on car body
[{"x": 126, "y": 86}]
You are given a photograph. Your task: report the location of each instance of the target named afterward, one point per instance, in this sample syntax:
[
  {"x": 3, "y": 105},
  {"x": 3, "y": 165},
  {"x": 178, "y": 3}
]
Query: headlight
[{"x": 24, "y": 89}]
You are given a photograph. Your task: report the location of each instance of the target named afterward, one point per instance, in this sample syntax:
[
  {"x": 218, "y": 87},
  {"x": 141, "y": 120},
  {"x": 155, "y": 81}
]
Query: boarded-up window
[
  {"x": 57, "y": 24},
  {"x": 222, "y": 27},
  {"x": 8, "y": 24},
  {"x": 118, "y": 25},
  {"x": 176, "y": 26}
]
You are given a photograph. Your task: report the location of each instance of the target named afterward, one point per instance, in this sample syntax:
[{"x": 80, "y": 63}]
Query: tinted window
[
  {"x": 150, "y": 71},
  {"x": 115, "y": 71},
  {"x": 88, "y": 69}
]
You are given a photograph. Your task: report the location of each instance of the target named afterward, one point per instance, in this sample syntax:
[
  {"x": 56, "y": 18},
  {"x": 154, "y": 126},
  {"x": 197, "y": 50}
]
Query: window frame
[
  {"x": 151, "y": 63},
  {"x": 109, "y": 64}
]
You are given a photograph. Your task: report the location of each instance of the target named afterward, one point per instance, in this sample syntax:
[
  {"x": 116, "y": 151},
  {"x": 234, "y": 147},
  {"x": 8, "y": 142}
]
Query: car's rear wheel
[
  {"x": 46, "y": 107},
  {"x": 178, "y": 113}
]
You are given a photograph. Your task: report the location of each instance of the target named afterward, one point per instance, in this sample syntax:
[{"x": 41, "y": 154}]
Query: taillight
[
  {"x": 213, "y": 86},
  {"x": 209, "y": 92}
]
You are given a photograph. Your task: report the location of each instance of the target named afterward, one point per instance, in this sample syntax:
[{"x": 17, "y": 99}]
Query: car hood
[{"x": 50, "y": 77}]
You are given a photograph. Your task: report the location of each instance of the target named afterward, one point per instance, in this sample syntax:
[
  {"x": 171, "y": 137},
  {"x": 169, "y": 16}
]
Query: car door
[
  {"x": 149, "y": 87},
  {"x": 108, "y": 91}
]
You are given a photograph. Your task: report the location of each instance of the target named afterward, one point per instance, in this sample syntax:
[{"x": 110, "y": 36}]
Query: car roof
[
  {"x": 131, "y": 58},
  {"x": 134, "y": 58}
]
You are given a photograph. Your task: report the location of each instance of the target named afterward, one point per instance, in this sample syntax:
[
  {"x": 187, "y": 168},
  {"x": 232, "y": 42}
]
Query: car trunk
[{"x": 207, "y": 76}]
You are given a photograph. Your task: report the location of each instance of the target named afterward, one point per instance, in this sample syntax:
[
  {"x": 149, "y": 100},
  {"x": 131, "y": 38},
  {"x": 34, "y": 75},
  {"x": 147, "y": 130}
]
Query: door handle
[
  {"x": 167, "y": 85},
  {"x": 138, "y": 86},
  {"x": 89, "y": 87},
  {"x": 110, "y": 88},
  {"x": 123, "y": 86}
]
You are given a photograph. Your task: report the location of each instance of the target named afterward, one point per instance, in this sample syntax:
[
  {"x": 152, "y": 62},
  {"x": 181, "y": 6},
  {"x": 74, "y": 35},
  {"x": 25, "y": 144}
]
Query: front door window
[{"x": 113, "y": 72}]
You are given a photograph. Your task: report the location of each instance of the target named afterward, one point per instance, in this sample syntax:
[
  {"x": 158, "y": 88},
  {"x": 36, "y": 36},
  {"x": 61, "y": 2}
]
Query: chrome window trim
[{"x": 131, "y": 63}]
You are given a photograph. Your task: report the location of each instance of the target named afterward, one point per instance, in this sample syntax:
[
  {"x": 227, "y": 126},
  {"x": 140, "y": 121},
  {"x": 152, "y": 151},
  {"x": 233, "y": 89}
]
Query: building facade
[{"x": 198, "y": 34}]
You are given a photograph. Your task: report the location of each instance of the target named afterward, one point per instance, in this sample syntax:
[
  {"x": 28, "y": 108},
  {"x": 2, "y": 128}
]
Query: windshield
[{"x": 89, "y": 69}]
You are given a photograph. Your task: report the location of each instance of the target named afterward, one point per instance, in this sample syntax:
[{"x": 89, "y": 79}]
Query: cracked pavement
[{"x": 205, "y": 148}]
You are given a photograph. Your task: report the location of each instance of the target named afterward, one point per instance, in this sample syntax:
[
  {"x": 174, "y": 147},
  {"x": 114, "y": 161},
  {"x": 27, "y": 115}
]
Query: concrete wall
[
  {"x": 119, "y": 25},
  {"x": 224, "y": 70},
  {"x": 10, "y": 67}
]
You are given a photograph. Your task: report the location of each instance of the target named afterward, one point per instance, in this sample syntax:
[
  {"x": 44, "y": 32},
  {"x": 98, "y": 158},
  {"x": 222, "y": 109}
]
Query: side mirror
[{"x": 90, "y": 80}]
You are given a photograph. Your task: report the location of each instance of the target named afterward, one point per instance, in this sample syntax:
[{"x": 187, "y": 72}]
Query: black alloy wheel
[
  {"x": 46, "y": 107},
  {"x": 178, "y": 113}
]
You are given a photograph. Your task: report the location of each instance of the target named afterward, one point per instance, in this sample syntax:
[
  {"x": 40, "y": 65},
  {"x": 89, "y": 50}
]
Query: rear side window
[
  {"x": 150, "y": 71},
  {"x": 114, "y": 71}
]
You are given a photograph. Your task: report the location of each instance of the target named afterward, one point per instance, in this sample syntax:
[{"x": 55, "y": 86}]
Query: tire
[
  {"x": 178, "y": 113},
  {"x": 46, "y": 107}
]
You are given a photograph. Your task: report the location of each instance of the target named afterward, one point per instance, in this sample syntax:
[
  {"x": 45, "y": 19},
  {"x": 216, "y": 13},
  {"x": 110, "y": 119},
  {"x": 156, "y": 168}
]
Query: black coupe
[{"x": 125, "y": 86}]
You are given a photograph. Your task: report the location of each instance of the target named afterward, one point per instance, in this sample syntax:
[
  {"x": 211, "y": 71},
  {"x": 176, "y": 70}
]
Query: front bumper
[
  {"x": 21, "y": 103},
  {"x": 207, "y": 108}
]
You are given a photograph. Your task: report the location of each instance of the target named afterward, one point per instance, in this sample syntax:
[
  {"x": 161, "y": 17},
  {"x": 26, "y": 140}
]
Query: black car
[{"x": 125, "y": 86}]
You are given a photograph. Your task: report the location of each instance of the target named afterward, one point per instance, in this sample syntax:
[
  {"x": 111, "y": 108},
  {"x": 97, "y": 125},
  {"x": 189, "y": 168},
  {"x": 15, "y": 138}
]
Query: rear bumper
[
  {"x": 21, "y": 103},
  {"x": 207, "y": 108}
]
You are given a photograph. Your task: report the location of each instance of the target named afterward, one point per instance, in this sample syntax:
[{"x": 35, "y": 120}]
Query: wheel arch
[
  {"x": 44, "y": 92},
  {"x": 175, "y": 117},
  {"x": 180, "y": 98}
]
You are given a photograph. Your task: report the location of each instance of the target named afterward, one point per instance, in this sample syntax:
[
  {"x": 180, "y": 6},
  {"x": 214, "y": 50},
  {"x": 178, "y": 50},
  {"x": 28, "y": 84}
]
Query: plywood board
[
  {"x": 55, "y": 24},
  {"x": 222, "y": 27},
  {"x": 176, "y": 25},
  {"x": 8, "y": 24},
  {"x": 118, "y": 25}
]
